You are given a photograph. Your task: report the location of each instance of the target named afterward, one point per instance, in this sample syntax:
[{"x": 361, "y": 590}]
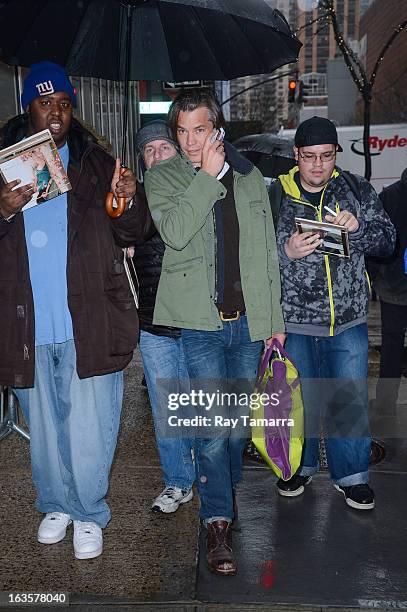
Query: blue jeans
[
  {"x": 163, "y": 358},
  {"x": 73, "y": 429},
  {"x": 225, "y": 359},
  {"x": 345, "y": 358}
]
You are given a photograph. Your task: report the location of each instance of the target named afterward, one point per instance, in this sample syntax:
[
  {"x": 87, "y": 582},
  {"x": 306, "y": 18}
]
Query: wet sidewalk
[{"x": 310, "y": 553}]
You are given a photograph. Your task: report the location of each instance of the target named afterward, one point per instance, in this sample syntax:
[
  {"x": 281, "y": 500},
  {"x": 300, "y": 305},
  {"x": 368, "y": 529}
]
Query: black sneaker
[
  {"x": 294, "y": 486},
  {"x": 358, "y": 496}
]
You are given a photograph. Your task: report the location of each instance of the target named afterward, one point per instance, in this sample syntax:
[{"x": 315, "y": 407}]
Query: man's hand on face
[
  {"x": 124, "y": 184},
  {"x": 12, "y": 200},
  {"x": 301, "y": 245},
  {"x": 213, "y": 156},
  {"x": 344, "y": 218}
]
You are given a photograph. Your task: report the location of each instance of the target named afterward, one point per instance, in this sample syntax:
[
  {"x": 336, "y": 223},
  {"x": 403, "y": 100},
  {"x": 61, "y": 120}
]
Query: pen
[{"x": 331, "y": 212}]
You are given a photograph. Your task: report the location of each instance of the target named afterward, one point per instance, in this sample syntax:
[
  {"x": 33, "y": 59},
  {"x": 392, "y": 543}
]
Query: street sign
[
  {"x": 168, "y": 85},
  {"x": 154, "y": 108}
]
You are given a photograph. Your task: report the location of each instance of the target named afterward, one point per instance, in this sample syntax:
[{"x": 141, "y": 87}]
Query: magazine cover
[
  {"x": 335, "y": 237},
  {"x": 35, "y": 160}
]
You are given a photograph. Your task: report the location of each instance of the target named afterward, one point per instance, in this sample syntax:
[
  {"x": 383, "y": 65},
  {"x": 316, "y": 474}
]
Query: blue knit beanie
[{"x": 43, "y": 79}]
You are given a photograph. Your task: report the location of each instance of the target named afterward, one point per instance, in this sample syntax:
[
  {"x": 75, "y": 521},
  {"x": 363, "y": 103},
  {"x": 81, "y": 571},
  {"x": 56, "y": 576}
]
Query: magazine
[
  {"x": 35, "y": 160},
  {"x": 335, "y": 237}
]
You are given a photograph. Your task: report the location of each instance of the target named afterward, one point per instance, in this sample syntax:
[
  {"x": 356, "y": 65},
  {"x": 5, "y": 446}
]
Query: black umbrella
[
  {"x": 269, "y": 144},
  {"x": 170, "y": 40},
  {"x": 272, "y": 154}
]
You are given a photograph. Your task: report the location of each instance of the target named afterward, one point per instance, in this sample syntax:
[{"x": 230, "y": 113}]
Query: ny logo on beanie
[
  {"x": 45, "y": 88},
  {"x": 44, "y": 79}
]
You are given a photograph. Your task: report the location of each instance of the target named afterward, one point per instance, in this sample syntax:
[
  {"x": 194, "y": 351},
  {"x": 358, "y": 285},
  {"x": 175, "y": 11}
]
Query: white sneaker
[
  {"x": 87, "y": 540},
  {"x": 170, "y": 499},
  {"x": 53, "y": 527}
]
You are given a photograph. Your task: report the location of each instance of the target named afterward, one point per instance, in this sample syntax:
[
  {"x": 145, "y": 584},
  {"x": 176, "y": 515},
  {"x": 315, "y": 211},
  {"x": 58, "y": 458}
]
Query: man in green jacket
[{"x": 220, "y": 284}]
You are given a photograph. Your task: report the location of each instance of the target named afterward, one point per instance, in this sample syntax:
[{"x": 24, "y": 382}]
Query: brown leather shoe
[{"x": 219, "y": 553}]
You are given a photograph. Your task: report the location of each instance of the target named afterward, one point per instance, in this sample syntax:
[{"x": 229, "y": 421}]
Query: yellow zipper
[
  {"x": 328, "y": 271},
  {"x": 331, "y": 300},
  {"x": 369, "y": 284}
]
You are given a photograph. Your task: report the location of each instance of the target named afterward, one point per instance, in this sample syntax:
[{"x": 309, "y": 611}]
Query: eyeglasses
[{"x": 311, "y": 158}]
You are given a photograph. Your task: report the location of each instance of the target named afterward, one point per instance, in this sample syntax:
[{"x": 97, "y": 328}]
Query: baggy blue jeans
[
  {"x": 73, "y": 432},
  {"x": 345, "y": 357},
  {"x": 221, "y": 357},
  {"x": 163, "y": 358}
]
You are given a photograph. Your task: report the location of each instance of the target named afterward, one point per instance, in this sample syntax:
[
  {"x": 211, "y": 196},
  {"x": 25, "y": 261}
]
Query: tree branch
[
  {"x": 298, "y": 30},
  {"x": 322, "y": 28},
  {"x": 397, "y": 31},
  {"x": 361, "y": 79}
]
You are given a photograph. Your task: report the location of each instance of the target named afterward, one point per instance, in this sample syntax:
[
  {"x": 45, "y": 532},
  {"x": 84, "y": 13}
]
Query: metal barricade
[{"x": 9, "y": 415}]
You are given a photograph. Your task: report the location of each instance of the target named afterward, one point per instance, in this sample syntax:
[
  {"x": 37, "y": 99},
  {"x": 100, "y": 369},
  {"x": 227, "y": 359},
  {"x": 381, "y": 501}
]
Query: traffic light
[
  {"x": 292, "y": 86},
  {"x": 304, "y": 92}
]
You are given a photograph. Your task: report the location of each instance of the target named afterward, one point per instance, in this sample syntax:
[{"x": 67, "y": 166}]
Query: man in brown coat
[{"x": 68, "y": 320}]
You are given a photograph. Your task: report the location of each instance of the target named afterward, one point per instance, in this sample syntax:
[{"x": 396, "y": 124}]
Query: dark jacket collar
[
  {"x": 14, "y": 130},
  {"x": 79, "y": 140},
  {"x": 236, "y": 160}
]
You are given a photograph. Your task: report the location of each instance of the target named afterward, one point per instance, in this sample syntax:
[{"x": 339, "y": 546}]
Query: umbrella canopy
[
  {"x": 272, "y": 154},
  {"x": 269, "y": 144},
  {"x": 170, "y": 40}
]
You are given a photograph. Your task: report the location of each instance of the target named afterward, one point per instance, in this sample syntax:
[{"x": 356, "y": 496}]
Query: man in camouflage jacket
[{"x": 325, "y": 305}]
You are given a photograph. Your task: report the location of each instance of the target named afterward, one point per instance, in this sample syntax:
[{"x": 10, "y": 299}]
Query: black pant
[{"x": 394, "y": 324}]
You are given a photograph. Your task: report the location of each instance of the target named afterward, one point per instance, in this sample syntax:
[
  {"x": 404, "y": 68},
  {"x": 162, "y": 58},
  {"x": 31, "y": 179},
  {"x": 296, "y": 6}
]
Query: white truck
[{"x": 388, "y": 147}]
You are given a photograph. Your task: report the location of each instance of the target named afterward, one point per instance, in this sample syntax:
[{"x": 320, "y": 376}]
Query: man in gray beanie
[
  {"x": 160, "y": 346},
  {"x": 155, "y": 143}
]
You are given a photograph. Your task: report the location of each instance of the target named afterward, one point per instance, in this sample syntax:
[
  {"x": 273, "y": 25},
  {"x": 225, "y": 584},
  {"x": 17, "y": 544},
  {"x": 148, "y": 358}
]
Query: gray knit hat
[{"x": 154, "y": 130}]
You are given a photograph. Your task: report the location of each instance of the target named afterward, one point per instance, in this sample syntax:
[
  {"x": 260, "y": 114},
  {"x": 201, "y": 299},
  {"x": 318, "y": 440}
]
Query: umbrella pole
[
  {"x": 17, "y": 88},
  {"x": 126, "y": 81},
  {"x": 118, "y": 209}
]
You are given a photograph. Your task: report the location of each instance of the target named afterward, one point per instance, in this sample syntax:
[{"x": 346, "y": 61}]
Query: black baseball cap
[{"x": 316, "y": 131}]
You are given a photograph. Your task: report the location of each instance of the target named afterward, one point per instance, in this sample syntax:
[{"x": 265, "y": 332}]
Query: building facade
[{"x": 265, "y": 104}]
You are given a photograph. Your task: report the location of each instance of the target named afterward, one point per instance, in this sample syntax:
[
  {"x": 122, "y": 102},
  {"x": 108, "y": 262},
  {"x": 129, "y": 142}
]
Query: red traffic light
[{"x": 292, "y": 87}]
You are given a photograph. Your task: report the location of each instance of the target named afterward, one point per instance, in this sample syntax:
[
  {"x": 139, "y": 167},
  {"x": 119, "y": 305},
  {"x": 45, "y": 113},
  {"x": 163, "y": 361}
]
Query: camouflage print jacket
[{"x": 324, "y": 295}]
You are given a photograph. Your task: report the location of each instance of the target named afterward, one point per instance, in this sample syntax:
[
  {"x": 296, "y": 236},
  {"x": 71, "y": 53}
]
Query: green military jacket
[{"x": 181, "y": 201}]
